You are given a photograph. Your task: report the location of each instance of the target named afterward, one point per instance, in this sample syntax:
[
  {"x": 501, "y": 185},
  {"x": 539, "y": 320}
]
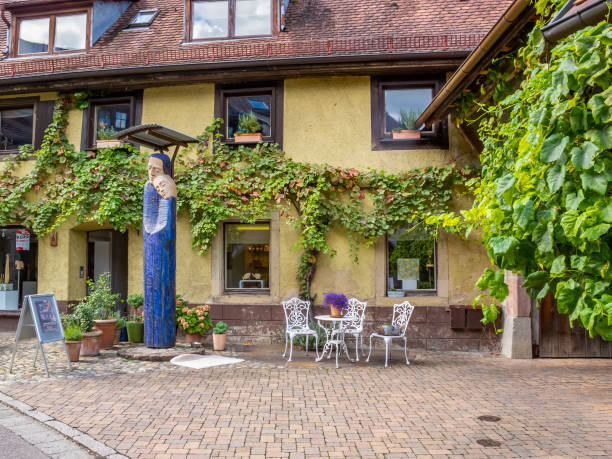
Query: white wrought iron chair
[
  {"x": 401, "y": 316},
  {"x": 357, "y": 309},
  {"x": 297, "y": 321}
]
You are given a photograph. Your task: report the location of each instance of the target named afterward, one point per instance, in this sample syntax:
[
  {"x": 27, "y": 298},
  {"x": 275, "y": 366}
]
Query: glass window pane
[
  {"x": 411, "y": 258},
  {"x": 34, "y": 36},
  {"x": 247, "y": 255},
  {"x": 258, "y": 104},
  {"x": 111, "y": 119},
  {"x": 16, "y": 127},
  {"x": 253, "y": 17},
  {"x": 403, "y": 107},
  {"x": 143, "y": 18},
  {"x": 70, "y": 32},
  {"x": 210, "y": 19}
]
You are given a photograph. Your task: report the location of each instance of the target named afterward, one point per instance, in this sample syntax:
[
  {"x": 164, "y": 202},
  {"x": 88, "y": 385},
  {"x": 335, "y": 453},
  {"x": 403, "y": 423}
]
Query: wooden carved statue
[{"x": 159, "y": 234}]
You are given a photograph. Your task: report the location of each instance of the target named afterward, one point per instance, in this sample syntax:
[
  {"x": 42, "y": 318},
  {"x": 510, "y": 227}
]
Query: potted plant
[
  {"x": 195, "y": 321},
  {"x": 84, "y": 314},
  {"x": 135, "y": 327},
  {"x": 106, "y": 138},
  {"x": 336, "y": 302},
  {"x": 118, "y": 327},
  {"x": 408, "y": 128},
  {"x": 249, "y": 129},
  {"x": 73, "y": 336},
  {"x": 220, "y": 336},
  {"x": 103, "y": 300}
]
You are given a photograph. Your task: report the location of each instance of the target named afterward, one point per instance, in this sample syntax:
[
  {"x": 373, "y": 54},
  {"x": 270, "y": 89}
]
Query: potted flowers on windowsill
[
  {"x": 249, "y": 129},
  {"x": 195, "y": 321},
  {"x": 135, "y": 327},
  {"x": 220, "y": 336},
  {"x": 408, "y": 130},
  {"x": 337, "y": 304},
  {"x": 106, "y": 138}
]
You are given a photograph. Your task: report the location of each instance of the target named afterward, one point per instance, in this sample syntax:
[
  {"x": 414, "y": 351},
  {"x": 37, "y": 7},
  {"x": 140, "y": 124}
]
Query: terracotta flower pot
[
  {"x": 406, "y": 134},
  {"x": 135, "y": 331},
  {"x": 110, "y": 143},
  {"x": 74, "y": 349},
  {"x": 335, "y": 312},
  {"x": 90, "y": 346},
  {"x": 117, "y": 336},
  {"x": 219, "y": 341},
  {"x": 193, "y": 338},
  {"x": 107, "y": 327},
  {"x": 247, "y": 138}
]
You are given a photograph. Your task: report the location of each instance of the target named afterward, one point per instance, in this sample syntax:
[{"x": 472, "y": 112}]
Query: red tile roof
[{"x": 313, "y": 28}]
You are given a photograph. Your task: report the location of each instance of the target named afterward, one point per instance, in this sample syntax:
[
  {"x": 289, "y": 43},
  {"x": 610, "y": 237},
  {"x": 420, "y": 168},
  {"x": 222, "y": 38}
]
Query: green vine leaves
[{"x": 544, "y": 201}]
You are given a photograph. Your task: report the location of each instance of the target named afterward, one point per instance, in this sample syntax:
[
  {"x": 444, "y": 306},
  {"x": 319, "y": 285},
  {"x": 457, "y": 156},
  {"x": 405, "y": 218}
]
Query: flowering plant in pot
[
  {"x": 103, "y": 300},
  {"x": 195, "y": 321},
  {"x": 408, "y": 129},
  {"x": 220, "y": 336},
  {"x": 336, "y": 302},
  {"x": 249, "y": 129},
  {"x": 135, "y": 327}
]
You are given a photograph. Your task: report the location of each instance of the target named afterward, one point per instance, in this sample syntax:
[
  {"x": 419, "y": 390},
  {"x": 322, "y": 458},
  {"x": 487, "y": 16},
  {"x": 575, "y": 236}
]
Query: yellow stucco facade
[{"x": 326, "y": 119}]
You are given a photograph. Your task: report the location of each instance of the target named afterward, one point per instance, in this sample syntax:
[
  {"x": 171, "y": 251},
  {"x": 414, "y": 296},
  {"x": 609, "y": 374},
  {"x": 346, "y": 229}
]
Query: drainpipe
[
  {"x": 6, "y": 50},
  {"x": 589, "y": 15}
]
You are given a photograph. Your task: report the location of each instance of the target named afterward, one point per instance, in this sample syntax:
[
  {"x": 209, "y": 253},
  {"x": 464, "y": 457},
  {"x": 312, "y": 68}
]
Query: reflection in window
[
  {"x": 70, "y": 32},
  {"x": 16, "y": 127},
  {"x": 403, "y": 107},
  {"x": 210, "y": 19},
  {"x": 253, "y": 17},
  {"x": 258, "y": 104},
  {"x": 111, "y": 119},
  {"x": 411, "y": 260},
  {"x": 247, "y": 255},
  {"x": 143, "y": 18},
  {"x": 34, "y": 36}
]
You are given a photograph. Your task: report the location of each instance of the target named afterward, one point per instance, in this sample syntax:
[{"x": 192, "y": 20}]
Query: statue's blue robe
[{"x": 159, "y": 234}]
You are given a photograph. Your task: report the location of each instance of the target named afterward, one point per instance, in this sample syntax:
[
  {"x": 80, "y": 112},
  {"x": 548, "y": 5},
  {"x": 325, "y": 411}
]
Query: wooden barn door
[{"x": 558, "y": 340}]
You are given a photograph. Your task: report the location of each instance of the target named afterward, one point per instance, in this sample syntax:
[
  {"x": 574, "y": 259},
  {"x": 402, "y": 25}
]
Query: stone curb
[{"x": 82, "y": 439}]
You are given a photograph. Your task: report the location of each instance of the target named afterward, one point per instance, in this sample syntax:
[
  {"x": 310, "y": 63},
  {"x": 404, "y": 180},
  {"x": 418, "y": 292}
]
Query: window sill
[{"x": 433, "y": 143}]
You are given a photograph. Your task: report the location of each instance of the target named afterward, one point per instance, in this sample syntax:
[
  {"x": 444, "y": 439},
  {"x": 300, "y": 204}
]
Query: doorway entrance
[
  {"x": 558, "y": 339},
  {"x": 107, "y": 253}
]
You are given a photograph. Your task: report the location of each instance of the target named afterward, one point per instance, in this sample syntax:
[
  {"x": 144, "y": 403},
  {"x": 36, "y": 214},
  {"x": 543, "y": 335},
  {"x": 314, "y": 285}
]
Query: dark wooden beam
[
  {"x": 147, "y": 144},
  {"x": 166, "y": 139}
]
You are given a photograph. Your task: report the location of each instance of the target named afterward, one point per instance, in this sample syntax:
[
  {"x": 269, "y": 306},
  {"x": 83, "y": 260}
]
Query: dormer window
[
  {"x": 218, "y": 19},
  {"x": 50, "y": 34},
  {"x": 144, "y": 18}
]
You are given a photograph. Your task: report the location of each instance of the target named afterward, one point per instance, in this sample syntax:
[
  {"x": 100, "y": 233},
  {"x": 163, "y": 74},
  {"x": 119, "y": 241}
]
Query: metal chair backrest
[
  {"x": 356, "y": 308},
  {"x": 296, "y": 314},
  {"x": 401, "y": 316}
]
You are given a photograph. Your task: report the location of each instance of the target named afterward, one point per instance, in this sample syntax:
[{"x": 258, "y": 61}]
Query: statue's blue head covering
[{"x": 166, "y": 162}]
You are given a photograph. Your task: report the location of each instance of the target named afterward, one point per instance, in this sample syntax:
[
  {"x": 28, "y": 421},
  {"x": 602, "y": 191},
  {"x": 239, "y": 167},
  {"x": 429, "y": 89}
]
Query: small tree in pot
[
  {"x": 104, "y": 301},
  {"x": 220, "y": 336},
  {"x": 135, "y": 327},
  {"x": 84, "y": 314}
]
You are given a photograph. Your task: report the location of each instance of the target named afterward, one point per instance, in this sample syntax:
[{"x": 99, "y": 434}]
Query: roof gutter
[
  {"x": 460, "y": 79},
  {"x": 590, "y": 15}
]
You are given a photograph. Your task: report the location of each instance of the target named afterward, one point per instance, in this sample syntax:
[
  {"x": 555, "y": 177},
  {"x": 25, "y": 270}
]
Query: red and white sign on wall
[{"x": 23, "y": 240}]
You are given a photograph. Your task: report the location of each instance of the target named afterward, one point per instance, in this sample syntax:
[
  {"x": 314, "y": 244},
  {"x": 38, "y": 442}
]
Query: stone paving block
[{"x": 94, "y": 445}]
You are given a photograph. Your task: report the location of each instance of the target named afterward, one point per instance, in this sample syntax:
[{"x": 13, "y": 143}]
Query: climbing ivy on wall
[
  {"x": 544, "y": 199},
  {"x": 216, "y": 182}
]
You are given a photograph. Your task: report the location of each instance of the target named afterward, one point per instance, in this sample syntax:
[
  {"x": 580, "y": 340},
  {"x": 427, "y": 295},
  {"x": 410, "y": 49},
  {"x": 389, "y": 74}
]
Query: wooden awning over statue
[{"x": 156, "y": 137}]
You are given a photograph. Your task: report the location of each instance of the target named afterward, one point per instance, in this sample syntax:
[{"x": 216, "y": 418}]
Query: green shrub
[
  {"x": 136, "y": 300},
  {"x": 101, "y": 297},
  {"x": 248, "y": 122},
  {"x": 73, "y": 333},
  {"x": 220, "y": 328},
  {"x": 84, "y": 315},
  {"x": 106, "y": 133}
]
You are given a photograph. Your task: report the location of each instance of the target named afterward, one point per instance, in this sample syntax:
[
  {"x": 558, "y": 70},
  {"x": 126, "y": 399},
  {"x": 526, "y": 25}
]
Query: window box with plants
[
  {"x": 249, "y": 129},
  {"x": 135, "y": 327},
  {"x": 220, "y": 336},
  {"x": 106, "y": 138},
  {"x": 194, "y": 321},
  {"x": 407, "y": 130}
]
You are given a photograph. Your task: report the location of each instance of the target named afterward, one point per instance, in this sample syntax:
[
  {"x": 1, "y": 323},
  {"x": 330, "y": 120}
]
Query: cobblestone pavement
[{"x": 263, "y": 407}]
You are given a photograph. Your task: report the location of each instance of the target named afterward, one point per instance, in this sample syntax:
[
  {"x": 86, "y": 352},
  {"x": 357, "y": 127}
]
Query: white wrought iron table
[{"x": 334, "y": 334}]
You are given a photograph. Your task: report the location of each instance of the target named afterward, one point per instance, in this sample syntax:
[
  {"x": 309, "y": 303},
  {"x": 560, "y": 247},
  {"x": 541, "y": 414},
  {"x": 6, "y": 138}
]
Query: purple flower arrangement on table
[{"x": 336, "y": 302}]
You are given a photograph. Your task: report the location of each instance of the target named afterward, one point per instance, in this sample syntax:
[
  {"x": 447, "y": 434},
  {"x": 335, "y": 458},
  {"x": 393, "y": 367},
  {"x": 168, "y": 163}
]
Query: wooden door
[{"x": 559, "y": 340}]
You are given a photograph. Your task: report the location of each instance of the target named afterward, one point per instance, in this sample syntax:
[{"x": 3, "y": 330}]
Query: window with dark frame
[
  {"x": 16, "y": 127},
  {"x": 222, "y": 19},
  {"x": 411, "y": 262},
  {"x": 264, "y": 102},
  {"x": 62, "y": 32},
  {"x": 247, "y": 257},
  {"x": 144, "y": 18},
  {"x": 396, "y": 104},
  {"x": 104, "y": 117}
]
